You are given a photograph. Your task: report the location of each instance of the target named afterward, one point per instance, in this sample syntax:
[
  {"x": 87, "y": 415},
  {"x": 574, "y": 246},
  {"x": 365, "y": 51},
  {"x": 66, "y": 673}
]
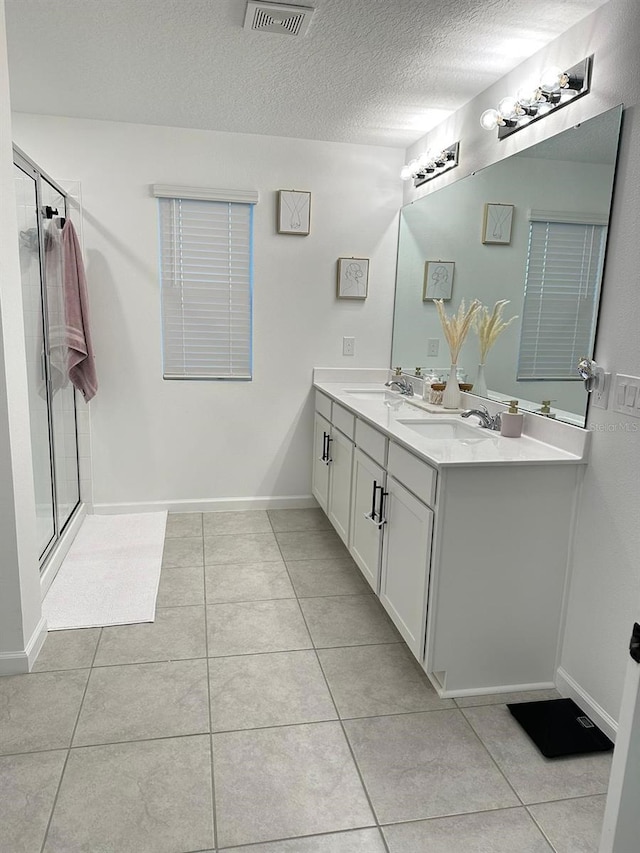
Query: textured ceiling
[{"x": 379, "y": 72}]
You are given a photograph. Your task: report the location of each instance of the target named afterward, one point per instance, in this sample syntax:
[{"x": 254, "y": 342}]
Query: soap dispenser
[{"x": 511, "y": 421}]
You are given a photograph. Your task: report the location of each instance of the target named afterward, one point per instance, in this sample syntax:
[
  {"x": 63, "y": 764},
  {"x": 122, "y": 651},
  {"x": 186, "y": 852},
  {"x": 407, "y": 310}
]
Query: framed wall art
[
  {"x": 438, "y": 280},
  {"x": 496, "y": 224},
  {"x": 353, "y": 278},
  {"x": 294, "y": 212}
]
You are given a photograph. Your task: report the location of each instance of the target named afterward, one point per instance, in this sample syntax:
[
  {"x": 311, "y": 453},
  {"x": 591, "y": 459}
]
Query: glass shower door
[
  {"x": 32, "y": 296},
  {"x": 63, "y": 400}
]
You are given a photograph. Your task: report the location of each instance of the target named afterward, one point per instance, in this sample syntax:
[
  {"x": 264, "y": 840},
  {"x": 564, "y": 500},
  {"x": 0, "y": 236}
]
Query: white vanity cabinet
[
  {"x": 367, "y": 516},
  {"x": 332, "y": 462},
  {"x": 406, "y": 558},
  {"x": 469, "y": 560}
]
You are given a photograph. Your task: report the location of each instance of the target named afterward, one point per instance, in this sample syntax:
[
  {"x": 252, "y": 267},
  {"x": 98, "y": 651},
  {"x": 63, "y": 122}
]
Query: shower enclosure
[{"x": 41, "y": 207}]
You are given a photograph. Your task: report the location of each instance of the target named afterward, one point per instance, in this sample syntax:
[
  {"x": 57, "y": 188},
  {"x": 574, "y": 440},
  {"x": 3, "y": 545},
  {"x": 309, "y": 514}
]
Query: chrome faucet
[
  {"x": 404, "y": 387},
  {"x": 486, "y": 420}
]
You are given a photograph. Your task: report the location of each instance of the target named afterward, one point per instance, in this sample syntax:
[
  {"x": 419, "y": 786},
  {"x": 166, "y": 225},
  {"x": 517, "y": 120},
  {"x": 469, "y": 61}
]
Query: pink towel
[{"x": 81, "y": 363}]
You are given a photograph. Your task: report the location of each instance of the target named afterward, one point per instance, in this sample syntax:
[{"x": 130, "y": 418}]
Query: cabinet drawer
[
  {"x": 412, "y": 472},
  {"x": 323, "y": 405},
  {"x": 372, "y": 442},
  {"x": 343, "y": 420}
]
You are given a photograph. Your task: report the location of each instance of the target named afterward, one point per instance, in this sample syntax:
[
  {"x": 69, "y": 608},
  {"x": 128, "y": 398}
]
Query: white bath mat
[{"x": 110, "y": 575}]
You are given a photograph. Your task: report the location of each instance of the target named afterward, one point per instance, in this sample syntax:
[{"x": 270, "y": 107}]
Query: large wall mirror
[{"x": 531, "y": 229}]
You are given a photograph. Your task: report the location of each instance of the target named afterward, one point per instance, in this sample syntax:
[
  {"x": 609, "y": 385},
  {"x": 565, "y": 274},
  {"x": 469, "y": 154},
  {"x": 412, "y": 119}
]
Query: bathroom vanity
[{"x": 463, "y": 534}]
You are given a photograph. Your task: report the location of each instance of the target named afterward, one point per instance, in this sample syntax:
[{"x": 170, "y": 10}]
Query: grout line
[
  {"x": 344, "y": 733},
  {"x": 206, "y": 648},
  {"x": 486, "y": 749},
  {"x": 541, "y": 830},
  {"x": 73, "y": 734}
]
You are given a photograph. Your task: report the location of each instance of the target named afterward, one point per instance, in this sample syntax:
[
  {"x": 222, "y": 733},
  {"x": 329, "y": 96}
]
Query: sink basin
[
  {"x": 439, "y": 430},
  {"x": 372, "y": 394}
]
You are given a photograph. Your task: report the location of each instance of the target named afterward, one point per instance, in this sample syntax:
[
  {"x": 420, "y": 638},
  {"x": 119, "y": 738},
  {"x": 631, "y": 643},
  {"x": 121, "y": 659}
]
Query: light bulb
[
  {"x": 551, "y": 79},
  {"x": 405, "y": 173},
  {"x": 414, "y": 167},
  {"x": 544, "y": 108},
  {"x": 508, "y": 107},
  {"x": 490, "y": 119},
  {"x": 527, "y": 95},
  {"x": 424, "y": 159}
]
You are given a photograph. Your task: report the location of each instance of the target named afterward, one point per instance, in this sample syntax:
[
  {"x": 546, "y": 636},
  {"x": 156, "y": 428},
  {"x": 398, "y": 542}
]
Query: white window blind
[
  {"x": 206, "y": 277},
  {"x": 562, "y": 288}
]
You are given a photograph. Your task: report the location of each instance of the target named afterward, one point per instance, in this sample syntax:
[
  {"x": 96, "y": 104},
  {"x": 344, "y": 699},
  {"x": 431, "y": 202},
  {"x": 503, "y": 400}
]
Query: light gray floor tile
[
  {"x": 148, "y": 700},
  {"x": 256, "y": 626},
  {"x": 180, "y": 587},
  {"x": 144, "y": 797},
  {"x": 283, "y": 782},
  {"x": 348, "y": 620},
  {"x": 182, "y": 552},
  {"x": 535, "y": 778},
  {"x": 311, "y": 545},
  {"x": 247, "y": 582},
  {"x": 39, "y": 710},
  {"x": 221, "y": 523},
  {"x": 28, "y": 784},
  {"x": 68, "y": 650},
  {"x": 298, "y": 519},
  {"x": 181, "y": 524},
  {"x": 280, "y": 689},
  {"x": 503, "y": 831},
  {"x": 177, "y": 634},
  {"x": 503, "y": 698},
  {"x": 243, "y": 548},
  {"x": 327, "y": 577},
  {"x": 572, "y": 826},
  {"x": 425, "y": 765},
  {"x": 355, "y": 841},
  {"x": 369, "y": 680}
]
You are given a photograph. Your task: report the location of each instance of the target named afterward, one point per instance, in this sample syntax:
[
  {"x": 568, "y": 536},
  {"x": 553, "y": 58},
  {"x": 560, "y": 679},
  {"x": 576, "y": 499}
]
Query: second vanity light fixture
[
  {"x": 556, "y": 89},
  {"x": 428, "y": 166}
]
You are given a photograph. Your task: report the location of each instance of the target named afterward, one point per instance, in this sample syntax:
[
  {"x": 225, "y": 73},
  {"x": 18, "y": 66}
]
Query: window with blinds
[
  {"x": 206, "y": 275},
  {"x": 562, "y": 288}
]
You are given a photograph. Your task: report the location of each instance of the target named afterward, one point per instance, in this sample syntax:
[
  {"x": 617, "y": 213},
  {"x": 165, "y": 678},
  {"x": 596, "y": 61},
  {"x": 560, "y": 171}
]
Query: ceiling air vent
[{"x": 277, "y": 18}]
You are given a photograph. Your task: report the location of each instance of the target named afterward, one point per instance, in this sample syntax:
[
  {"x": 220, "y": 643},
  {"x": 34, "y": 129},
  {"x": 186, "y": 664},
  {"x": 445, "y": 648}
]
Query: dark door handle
[
  {"x": 382, "y": 507},
  {"x": 329, "y": 459}
]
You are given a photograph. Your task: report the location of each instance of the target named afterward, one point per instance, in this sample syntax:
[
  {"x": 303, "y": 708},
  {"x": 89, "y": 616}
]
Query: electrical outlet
[
  {"x": 600, "y": 396},
  {"x": 348, "y": 346},
  {"x": 433, "y": 346},
  {"x": 626, "y": 395}
]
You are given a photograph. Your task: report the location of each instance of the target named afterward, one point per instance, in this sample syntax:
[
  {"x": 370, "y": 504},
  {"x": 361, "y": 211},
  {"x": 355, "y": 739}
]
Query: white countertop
[{"x": 570, "y": 444}]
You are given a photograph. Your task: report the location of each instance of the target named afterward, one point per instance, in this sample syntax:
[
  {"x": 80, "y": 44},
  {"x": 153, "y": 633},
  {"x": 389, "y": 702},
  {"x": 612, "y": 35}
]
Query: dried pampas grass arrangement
[
  {"x": 456, "y": 327},
  {"x": 489, "y": 325}
]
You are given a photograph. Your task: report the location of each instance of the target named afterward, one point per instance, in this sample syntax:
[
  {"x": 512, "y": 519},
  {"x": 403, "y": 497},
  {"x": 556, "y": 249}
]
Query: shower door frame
[{"x": 31, "y": 168}]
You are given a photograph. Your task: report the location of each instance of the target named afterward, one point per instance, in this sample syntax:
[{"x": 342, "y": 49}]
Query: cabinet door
[
  {"x": 321, "y": 457},
  {"x": 405, "y": 564},
  {"x": 365, "y": 538},
  {"x": 340, "y": 483}
]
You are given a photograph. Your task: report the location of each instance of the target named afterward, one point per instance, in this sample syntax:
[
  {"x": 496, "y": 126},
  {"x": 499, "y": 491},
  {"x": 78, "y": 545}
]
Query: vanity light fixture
[
  {"x": 428, "y": 166},
  {"x": 556, "y": 89}
]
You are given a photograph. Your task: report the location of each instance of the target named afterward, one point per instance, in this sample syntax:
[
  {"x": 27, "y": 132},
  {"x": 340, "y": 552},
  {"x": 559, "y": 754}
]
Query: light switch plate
[
  {"x": 626, "y": 395},
  {"x": 348, "y": 346},
  {"x": 433, "y": 346}
]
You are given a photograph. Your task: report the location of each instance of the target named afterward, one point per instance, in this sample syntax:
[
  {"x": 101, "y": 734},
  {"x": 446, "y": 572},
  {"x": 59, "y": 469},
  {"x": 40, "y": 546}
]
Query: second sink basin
[{"x": 439, "y": 430}]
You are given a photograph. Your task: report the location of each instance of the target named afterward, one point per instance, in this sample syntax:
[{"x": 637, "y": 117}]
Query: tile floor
[{"x": 271, "y": 708}]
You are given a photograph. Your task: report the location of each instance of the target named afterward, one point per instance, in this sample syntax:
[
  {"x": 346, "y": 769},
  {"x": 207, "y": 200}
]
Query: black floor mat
[{"x": 559, "y": 727}]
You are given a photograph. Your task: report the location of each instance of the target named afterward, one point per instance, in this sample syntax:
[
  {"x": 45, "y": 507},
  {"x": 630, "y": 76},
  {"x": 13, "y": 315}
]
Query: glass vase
[
  {"x": 480, "y": 385},
  {"x": 451, "y": 395}
]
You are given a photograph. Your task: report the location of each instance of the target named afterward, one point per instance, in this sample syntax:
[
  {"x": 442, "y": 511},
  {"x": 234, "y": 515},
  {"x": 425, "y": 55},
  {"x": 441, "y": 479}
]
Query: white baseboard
[
  {"x": 54, "y": 562},
  {"x": 487, "y": 691},
  {"x": 20, "y": 662},
  {"x": 570, "y": 689},
  {"x": 209, "y": 505}
]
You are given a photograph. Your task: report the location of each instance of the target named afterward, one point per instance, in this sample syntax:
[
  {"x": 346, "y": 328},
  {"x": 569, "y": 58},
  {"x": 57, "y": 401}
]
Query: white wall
[
  {"x": 604, "y": 597},
  {"x": 21, "y": 631},
  {"x": 163, "y": 441}
]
